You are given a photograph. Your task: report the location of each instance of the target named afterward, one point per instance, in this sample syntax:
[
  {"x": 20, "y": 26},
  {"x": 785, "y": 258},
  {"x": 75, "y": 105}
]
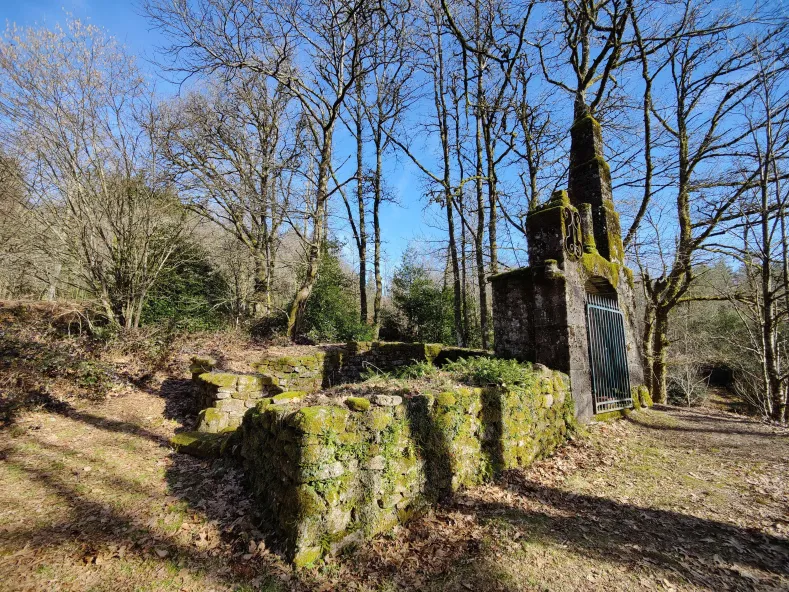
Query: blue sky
[
  {"x": 407, "y": 223},
  {"x": 401, "y": 224}
]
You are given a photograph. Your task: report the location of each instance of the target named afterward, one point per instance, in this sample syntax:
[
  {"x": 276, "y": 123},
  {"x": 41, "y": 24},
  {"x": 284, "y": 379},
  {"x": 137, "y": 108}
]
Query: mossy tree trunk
[
  {"x": 261, "y": 293},
  {"x": 659, "y": 370},
  {"x": 647, "y": 337}
]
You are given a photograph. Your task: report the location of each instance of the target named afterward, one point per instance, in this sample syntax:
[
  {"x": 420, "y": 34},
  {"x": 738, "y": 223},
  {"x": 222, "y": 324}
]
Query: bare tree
[
  {"x": 71, "y": 100},
  {"x": 14, "y": 236},
  {"x": 380, "y": 100},
  {"x": 591, "y": 42},
  {"x": 358, "y": 222},
  {"x": 386, "y": 111},
  {"x": 232, "y": 152},
  {"x": 430, "y": 44},
  {"x": 491, "y": 36},
  {"x": 762, "y": 298},
  {"x": 312, "y": 48},
  {"x": 710, "y": 73}
]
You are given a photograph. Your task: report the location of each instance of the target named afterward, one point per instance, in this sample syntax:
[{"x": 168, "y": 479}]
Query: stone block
[
  {"x": 201, "y": 364},
  {"x": 357, "y": 403},
  {"x": 212, "y": 420},
  {"x": 200, "y": 444},
  {"x": 376, "y": 463},
  {"x": 230, "y": 406},
  {"x": 249, "y": 383},
  {"x": 288, "y": 397},
  {"x": 387, "y": 400},
  {"x": 323, "y": 472},
  {"x": 221, "y": 380}
]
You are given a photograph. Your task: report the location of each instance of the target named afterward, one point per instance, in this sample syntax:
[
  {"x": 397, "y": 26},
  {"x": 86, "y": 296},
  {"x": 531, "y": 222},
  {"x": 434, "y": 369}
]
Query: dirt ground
[{"x": 93, "y": 498}]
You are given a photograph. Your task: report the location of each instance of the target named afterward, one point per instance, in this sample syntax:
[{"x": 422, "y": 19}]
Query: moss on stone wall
[
  {"x": 595, "y": 264},
  {"x": 200, "y": 444},
  {"x": 611, "y": 415},
  {"x": 290, "y": 378},
  {"x": 349, "y": 363},
  {"x": 616, "y": 249},
  {"x": 357, "y": 403},
  {"x": 224, "y": 397},
  {"x": 328, "y": 476}
]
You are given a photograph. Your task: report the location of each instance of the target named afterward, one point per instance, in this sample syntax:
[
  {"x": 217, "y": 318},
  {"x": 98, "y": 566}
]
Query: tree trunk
[
  {"x": 443, "y": 122},
  {"x": 456, "y": 288},
  {"x": 465, "y": 331},
  {"x": 298, "y": 306},
  {"x": 260, "y": 290},
  {"x": 649, "y": 353},
  {"x": 490, "y": 155},
  {"x": 660, "y": 351},
  {"x": 464, "y": 283},
  {"x": 53, "y": 282},
  {"x": 362, "y": 224},
  {"x": 479, "y": 247},
  {"x": 377, "y": 234}
]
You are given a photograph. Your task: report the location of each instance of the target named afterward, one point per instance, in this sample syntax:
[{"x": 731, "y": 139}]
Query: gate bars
[{"x": 607, "y": 354}]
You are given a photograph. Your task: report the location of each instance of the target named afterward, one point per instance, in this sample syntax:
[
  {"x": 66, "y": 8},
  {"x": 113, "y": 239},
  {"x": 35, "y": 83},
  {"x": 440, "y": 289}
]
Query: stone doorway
[{"x": 608, "y": 365}]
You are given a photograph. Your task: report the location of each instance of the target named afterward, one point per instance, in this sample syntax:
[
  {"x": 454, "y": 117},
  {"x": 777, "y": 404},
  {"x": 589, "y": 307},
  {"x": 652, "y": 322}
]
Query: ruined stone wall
[
  {"x": 348, "y": 363},
  {"x": 511, "y": 323},
  {"x": 329, "y": 476},
  {"x": 224, "y": 397}
]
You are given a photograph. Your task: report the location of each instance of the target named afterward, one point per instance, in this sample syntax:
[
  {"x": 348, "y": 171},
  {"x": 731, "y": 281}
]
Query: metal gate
[{"x": 607, "y": 354}]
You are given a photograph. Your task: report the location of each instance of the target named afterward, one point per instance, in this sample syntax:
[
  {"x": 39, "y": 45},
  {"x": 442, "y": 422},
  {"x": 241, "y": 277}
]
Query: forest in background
[{"x": 238, "y": 202}]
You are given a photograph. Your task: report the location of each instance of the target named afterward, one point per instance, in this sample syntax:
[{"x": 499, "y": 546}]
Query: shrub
[
  {"x": 418, "y": 370},
  {"x": 687, "y": 384},
  {"x": 269, "y": 327},
  {"x": 484, "y": 371},
  {"x": 188, "y": 297},
  {"x": 423, "y": 310},
  {"x": 332, "y": 310}
]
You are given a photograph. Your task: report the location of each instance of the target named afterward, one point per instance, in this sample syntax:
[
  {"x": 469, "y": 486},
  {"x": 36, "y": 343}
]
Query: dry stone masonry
[
  {"x": 225, "y": 397},
  {"x": 332, "y": 474},
  {"x": 327, "y": 476},
  {"x": 335, "y": 473}
]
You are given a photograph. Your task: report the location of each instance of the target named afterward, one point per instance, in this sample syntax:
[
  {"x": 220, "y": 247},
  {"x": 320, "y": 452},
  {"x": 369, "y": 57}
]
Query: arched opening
[
  {"x": 605, "y": 330},
  {"x": 600, "y": 286}
]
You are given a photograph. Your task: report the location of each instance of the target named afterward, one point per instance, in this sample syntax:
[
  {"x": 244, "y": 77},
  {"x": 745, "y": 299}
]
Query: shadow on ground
[
  {"x": 704, "y": 552},
  {"x": 437, "y": 552},
  {"x": 180, "y": 402}
]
